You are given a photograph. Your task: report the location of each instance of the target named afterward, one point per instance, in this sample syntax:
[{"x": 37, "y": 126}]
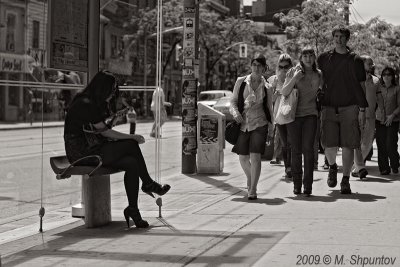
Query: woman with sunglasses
[
  {"x": 277, "y": 80},
  {"x": 387, "y": 123},
  {"x": 307, "y": 79},
  {"x": 91, "y": 109}
]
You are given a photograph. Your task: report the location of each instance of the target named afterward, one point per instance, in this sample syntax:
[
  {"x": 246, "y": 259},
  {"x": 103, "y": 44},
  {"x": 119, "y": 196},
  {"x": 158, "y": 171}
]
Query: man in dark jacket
[{"x": 343, "y": 105}]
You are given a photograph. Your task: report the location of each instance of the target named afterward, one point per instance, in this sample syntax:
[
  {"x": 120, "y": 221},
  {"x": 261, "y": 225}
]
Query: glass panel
[{"x": 31, "y": 95}]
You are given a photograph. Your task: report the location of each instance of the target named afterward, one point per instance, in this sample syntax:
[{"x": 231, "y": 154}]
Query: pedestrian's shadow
[
  {"x": 334, "y": 195},
  {"x": 267, "y": 201},
  {"x": 380, "y": 178}
]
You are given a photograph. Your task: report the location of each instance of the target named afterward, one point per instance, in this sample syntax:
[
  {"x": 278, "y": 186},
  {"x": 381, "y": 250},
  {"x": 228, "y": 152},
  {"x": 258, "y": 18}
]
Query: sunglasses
[
  {"x": 386, "y": 74},
  {"x": 286, "y": 67}
]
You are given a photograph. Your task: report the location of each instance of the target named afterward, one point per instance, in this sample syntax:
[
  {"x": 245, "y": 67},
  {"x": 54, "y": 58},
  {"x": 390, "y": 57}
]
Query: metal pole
[
  {"x": 93, "y": 38},
  {"x": 190, "y": 73},
  {"x": 347, "y": 12},
  {"x": 145, "y": 75}
]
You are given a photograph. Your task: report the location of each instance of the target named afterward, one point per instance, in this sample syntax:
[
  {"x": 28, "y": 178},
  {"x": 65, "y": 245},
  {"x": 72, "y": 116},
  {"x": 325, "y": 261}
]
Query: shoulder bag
[{"x": 287, "y": 108}]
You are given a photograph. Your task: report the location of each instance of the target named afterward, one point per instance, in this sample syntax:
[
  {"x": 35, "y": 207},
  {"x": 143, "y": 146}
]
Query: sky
[{"x": 363, "y": 10}]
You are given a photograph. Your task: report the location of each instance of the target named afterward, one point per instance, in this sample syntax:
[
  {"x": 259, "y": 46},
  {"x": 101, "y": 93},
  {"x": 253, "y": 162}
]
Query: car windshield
[{"x": 213, "y": 96}]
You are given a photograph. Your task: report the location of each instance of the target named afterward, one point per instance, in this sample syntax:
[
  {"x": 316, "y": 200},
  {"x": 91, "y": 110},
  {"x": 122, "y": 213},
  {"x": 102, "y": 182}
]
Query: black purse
[
  {"x": 232, "y": 131},
  {"x": 93, "y": 136}
]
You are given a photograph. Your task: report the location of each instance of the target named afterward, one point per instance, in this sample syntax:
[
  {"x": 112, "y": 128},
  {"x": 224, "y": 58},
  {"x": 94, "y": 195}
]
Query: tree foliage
[
  {"x": 218, "y": 35},
  {"x": 312, "y": 26},
  {"x": 219, "y": 42}
]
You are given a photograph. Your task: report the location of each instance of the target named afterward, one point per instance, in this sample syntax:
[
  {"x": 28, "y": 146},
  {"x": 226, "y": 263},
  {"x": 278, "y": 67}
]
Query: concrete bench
[{"x": 96, "y": 193}]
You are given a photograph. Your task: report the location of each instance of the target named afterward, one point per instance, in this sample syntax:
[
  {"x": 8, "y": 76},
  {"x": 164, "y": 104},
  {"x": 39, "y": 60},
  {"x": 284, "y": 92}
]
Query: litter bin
[{"x": 210, "y": 140}]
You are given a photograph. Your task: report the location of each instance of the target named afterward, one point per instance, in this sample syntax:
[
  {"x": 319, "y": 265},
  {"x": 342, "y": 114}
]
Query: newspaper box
[{"x": 210, "y": 140}]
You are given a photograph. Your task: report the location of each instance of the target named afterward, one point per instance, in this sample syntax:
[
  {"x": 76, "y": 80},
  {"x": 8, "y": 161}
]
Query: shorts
[
  {"x": 251, "y": 142},
  {"x": 340, "y": 128}
]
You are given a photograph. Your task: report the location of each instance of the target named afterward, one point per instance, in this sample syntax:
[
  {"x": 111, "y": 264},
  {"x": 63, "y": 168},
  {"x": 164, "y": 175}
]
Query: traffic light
[{"x": 243, "y": 50}]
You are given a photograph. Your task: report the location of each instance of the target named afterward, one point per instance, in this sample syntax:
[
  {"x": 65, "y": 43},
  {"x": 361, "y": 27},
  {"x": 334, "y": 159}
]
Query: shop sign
[{"x": 15, "y": 63}]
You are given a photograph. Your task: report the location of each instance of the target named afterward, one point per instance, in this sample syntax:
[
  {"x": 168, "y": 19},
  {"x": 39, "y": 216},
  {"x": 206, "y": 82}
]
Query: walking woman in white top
[{"x": 251, "y": 106}]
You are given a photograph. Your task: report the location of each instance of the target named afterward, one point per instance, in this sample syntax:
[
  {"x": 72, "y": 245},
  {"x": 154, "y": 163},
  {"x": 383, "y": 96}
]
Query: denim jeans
[
  {"x": 386, "y": 140},
  {"x": 286, "y": 153},
  {"x": 302, "y": 135}
]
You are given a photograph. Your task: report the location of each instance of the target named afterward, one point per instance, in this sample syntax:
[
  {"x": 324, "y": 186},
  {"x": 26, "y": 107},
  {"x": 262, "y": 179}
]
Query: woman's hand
[
  {"x": 138, "y": 138},
  {"x": 298, "y": 73},
  {"x": 238, "y": 118},
  {"x": 389, "y": 120}
]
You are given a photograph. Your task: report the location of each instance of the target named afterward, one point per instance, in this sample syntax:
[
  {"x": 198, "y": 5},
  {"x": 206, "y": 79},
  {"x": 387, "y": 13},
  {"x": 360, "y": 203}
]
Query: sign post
[{"x": 190, "y": 75}]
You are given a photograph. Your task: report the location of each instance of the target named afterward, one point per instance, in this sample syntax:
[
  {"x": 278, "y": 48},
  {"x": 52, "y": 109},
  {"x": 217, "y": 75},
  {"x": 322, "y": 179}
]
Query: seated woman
[{"x": 88, "y": 112}]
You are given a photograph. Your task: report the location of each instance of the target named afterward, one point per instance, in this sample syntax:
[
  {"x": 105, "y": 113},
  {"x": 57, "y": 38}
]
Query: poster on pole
[{"x": 68, "y": 39}]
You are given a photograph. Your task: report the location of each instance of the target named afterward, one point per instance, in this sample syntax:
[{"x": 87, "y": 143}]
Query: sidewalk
[{"x": 208, "y": 221}]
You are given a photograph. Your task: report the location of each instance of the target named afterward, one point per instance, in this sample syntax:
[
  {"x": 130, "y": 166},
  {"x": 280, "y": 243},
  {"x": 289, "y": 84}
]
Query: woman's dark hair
[
  {"x": 308, "y": 51},
  {"x": 366, "y": 58},
  {"x": 392, "y": 73},
  {"x": 343, "y": 30},
  {"x": 260, "y": 59},
  {"x": 102, "y": 86}
]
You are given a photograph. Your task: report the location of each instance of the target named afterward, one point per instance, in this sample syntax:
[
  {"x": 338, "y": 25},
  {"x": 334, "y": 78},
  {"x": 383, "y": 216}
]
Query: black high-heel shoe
[
  {"x": 136, "y": 218},
  {"x": 155, "y": 187}
]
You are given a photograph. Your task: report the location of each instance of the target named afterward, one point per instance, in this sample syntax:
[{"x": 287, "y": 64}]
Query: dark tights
[{"x": 127, "y": 156}]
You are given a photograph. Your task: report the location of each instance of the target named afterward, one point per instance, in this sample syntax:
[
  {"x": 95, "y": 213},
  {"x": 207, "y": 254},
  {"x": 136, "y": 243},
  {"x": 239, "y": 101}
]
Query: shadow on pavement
[
  {"x": 380, "y": 178},
  {"x": 267, "y": 201},
  {"x": 217, "y": 183},
  {"x": 334, "y": 195},
  {"x": 115, "y": 245}
]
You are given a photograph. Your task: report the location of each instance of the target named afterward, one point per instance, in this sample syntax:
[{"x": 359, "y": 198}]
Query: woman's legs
[
  {"x": 255, "y": 160},
  {"x": 251, "y": 165},
  {"x": 286, "y": 150},
  {"x": 246, "y": 166},
  {"x": 381, "y": 134},
  {"x": 309, "y": 127},
  {"x": 126, "y": 155},
  {"x": 295, "y": 136},
  {"x": 391, "y": 144}
]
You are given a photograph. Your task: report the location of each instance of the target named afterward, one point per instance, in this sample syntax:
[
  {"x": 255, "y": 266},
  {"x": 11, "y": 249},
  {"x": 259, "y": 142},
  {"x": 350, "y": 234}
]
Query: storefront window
[
  {"x": 13, "y": 94},
  {"x": 10, "y": 37}
]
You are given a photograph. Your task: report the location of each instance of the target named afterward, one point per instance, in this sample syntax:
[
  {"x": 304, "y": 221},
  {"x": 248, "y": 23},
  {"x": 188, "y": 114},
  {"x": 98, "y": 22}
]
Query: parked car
[
  {"x": 211, "y": 97},
  {"x": 223, "y": 105}
]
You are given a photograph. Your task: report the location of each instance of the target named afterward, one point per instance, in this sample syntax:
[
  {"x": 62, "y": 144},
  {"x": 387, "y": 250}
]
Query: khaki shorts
[
  {"x": 251, "y": 142},
  {"x": 340, "y": 128}
]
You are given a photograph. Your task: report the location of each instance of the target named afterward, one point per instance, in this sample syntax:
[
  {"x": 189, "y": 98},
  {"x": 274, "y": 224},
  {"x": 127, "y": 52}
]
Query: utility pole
[
  {"x": 347, "y": 12},
  {"x": 190, "y": 76}
]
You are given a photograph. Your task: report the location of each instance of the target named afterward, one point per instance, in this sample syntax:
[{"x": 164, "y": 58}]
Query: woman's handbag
[
  {"x": 232, "y": 130},
  {"x": 287, "y": 108},
  {"x": 93, "y": 136}
]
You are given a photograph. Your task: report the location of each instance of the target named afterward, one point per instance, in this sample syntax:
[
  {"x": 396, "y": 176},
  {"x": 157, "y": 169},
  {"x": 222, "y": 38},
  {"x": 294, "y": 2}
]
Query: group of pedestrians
[{"x": 340, "y": 104}]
